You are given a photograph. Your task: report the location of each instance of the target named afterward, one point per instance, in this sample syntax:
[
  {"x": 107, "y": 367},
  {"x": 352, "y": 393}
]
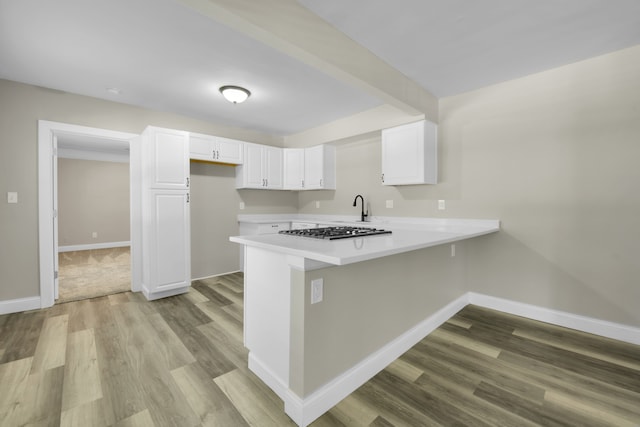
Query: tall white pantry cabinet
[{"x": 166, "y": 237}]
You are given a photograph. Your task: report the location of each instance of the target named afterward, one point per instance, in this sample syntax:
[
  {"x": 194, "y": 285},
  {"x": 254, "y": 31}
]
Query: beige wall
[
  {"x": 93, "y": 196},
  {"x": 214, "y": 216},
  {"x": 390, "y": 295},
  {"x": 21, "y": 106},
  {"x": 554, "y": 156}
]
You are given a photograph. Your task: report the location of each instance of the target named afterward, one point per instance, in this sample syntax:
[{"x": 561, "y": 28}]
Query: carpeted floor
[{"x": 93, "y": 273}]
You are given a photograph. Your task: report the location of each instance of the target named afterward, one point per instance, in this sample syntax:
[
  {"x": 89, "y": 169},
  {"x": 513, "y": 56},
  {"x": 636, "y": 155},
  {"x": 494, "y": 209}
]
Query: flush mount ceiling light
[{"x": 235, "y": 94}]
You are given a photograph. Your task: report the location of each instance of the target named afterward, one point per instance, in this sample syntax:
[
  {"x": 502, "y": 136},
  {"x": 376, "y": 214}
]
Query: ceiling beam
[{"x": 289, "y": 27}]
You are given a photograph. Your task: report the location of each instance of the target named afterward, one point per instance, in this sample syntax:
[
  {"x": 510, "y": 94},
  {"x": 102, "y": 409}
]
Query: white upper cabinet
[
  {"x": 261, "y": 168},
  {"x": 320, "y": 167},
  {"x": 215, "y": 149},
  {"x": 165, "y": 158},
  {"x": 312, "y": 168},
  {"x": 293, "y": 168},
  {"x": 409, "y": 154}
]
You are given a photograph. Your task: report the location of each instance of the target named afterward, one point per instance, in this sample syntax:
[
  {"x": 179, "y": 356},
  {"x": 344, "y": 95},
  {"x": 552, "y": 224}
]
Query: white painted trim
[
  {"x": 19, "y": 304},
  {"x": 46, "y": 132},
  {"x": 100, "y": 156},
  {"x": 305, "y": 411},
  {"x": 214, "y": 275},
  {"x": 163, "y": 294},
  {"x": 590, "y": 325},
  {"x": 106, "y": 245},
  {"x": 269, "y": 378}
]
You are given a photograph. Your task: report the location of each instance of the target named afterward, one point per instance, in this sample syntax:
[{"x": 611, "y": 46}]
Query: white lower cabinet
[
  {"x": 167, "y": 244},
  {"x": 261, "y": 168}
]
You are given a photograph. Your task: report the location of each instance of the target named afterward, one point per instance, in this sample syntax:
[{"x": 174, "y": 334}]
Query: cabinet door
[
  {"x": 229, "y": 151},
  {"x": 202, "y": 147},
  {"x": 253, "y": 167},
  {"x": 167, "y": 158},
  {"x": 319, "y": 167},
  {"x": 409, "y": 154},
  {"x": 293, "y": 168},
  {"x": 167, "y": 241},
  {"x": 273, "y": 167}
]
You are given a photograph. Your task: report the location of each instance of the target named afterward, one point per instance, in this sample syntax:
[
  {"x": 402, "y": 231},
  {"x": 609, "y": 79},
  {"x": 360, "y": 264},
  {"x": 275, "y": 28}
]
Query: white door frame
[{"x": 47, "y": 132}]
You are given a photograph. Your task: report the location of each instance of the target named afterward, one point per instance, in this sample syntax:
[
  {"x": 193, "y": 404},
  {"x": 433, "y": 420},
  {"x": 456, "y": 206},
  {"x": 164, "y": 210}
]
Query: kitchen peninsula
[{"x": 373, "y": 298}]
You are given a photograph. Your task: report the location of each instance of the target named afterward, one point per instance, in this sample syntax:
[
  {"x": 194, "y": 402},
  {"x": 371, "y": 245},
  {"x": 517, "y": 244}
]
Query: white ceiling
[{"x": 163, "y": 55}]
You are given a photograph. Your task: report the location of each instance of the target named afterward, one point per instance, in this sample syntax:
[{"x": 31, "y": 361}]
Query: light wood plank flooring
[{"x": 122, "y": 361}]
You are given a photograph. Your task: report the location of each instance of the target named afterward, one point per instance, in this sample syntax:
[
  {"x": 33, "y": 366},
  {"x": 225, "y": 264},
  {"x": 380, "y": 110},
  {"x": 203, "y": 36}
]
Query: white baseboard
[
  {"x": 19, "y": 304},
  {"x": 590, "y": 325},
  {"x": 87, "y": 247},
  {"x": 215, "y": 275},
  {"x": 151, "y": 296},
  {"x": 305, "y": 411}
]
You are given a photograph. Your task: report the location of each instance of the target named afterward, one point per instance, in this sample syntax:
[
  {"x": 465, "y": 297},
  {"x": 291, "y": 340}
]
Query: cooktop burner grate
[{"x": 334, "y": 233}]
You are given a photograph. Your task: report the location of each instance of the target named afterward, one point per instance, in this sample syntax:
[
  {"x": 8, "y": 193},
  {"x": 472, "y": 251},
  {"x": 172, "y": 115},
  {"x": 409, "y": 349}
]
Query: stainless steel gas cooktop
[{"x": 333, "y": 233}]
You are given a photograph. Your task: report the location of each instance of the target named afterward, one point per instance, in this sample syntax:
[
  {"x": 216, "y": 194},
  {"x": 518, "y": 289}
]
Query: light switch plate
[
  {"x": 390, "y": 204},
  {"x": 241, "y": 205},
  {"x": 441, "y": 205},
  {"x": 317, "y": 204},
  {"x": 12, "y": 197}
]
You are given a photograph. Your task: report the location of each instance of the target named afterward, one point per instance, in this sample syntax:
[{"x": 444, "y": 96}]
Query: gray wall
[
  {"x": 21, "y": 106},
  {"x": 554, "y": 156},
  {"x": 93, "y": 196}
]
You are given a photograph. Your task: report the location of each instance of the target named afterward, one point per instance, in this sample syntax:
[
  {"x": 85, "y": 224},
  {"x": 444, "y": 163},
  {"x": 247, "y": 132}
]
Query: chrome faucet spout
[{"x": 362, "y": 214}]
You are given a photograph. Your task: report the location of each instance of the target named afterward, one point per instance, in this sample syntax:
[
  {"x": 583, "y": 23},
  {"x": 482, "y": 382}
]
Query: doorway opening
[
  {"x": 75, "y": 163},
  {"x": 93, "y": 218}
]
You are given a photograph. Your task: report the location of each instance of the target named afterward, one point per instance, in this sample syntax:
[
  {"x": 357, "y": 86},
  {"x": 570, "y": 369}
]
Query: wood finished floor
[{"x": 122, "y": 361}]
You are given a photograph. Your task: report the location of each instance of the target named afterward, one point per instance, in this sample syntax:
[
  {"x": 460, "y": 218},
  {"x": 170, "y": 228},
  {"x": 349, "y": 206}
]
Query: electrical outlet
[
  {"x": 241, "y": 205},
  {"x": 453, "y": 250},
  {"x": 12, "y": 197},
  {"x": 94, "y": 234},
  {"x": 390, "y": 204},
  {"x": 317, "y": 286},
  {"x": 441, "y": 205},
  {"x": 317, "y": 204}
]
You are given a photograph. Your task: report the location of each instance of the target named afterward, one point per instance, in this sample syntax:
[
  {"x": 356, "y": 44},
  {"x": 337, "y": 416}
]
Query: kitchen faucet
[{"x": 362, "y": 214}]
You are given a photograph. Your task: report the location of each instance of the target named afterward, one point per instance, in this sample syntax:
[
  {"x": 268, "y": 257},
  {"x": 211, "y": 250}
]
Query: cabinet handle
[
  {"x": 303, "y": 183},
  {"x": 187, "y": 182},
  {"x": 187, "y": 197},
  {"x": 382, "y": 177},
  {"x": 217, "y": 155},
  {"x": 320, "y": 182},
  {"x": 213, "y": 154}
]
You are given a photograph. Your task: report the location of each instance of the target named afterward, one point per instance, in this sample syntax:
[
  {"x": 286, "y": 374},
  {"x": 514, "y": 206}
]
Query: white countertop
[{"x": 408, "y": 234}]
